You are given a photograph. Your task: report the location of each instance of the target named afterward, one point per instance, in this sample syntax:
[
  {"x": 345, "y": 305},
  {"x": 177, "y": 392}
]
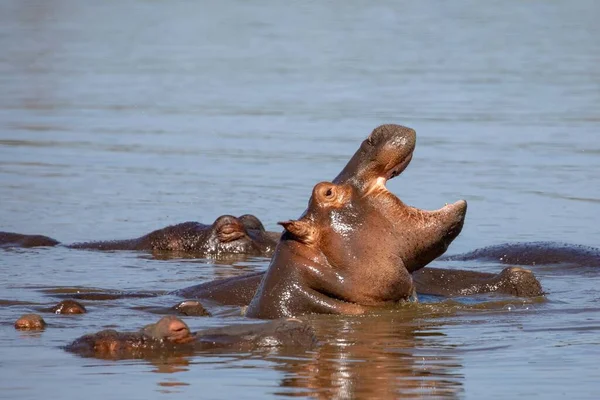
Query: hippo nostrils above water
[
  {"x": 357, "y": 243},
  {"x": 227, "y": 235}
]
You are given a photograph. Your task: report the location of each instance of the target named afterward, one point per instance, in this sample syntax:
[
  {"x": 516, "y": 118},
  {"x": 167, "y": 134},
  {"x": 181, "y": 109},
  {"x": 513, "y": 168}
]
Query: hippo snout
[{"x": 456, "y": 214}]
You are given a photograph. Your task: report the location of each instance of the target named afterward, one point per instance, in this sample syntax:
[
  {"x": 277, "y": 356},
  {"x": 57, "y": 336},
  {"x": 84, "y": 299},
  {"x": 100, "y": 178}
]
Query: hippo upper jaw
[
  {"x": 421, "y": 235},
  {"x": 398, "y": 168},
  {"x": 384, "y": 154}
]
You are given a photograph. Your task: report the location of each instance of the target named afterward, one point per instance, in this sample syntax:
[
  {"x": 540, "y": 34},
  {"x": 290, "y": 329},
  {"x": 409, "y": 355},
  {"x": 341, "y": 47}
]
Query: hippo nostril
[
  {"x": 228, "y": 230},
  {"x": 229, "y": 235}
]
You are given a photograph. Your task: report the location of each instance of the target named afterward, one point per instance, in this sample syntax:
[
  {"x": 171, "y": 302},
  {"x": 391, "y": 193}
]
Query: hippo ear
[{"x": 302, "y": 230}]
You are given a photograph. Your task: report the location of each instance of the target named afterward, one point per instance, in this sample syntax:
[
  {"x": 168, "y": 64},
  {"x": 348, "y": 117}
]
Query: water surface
[{"x": 121, "y": 117}]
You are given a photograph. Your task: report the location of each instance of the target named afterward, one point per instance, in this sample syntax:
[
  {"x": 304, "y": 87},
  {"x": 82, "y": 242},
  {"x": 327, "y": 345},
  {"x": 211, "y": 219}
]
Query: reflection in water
[
  {"x": 171, "y": 365},
  {"x": 30, "y": 334},
  {"x": 378, "y": 356},
  {"x": 386, "y": 356},
  {"x": 375, "y": 357}
]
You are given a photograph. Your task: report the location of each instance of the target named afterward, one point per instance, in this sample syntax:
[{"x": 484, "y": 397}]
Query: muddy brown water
[{"x": 120, "y": 117}]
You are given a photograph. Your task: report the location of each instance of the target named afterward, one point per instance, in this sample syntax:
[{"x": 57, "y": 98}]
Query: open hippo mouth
[
  {"x": 385, "y": 154},
  {"x": 399, "y": 168}
]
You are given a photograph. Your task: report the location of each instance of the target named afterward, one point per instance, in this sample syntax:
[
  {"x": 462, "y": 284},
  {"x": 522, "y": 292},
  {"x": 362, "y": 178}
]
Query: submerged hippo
[
  {"x": 68, "y": 307},
  {"x": 30, "y": 322},
  {"x": 513, "y": 281},
  {"x": 171, "y": 335},
  {"x": 11, "y": 239},
  {"x": 227, "y": 235},
  {"x": 534, "y": 253}
]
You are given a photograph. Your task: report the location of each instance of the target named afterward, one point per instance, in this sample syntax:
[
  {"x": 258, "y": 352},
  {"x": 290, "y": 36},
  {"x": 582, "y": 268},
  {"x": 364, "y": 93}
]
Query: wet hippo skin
[
  {"x": 34, "y": 322},
  {"x": 30, "y": 322},
  {"x": 513, "y": 281},
  {"x": 239, "y": 291},
  {"x": 170, "y": 335},
  {"x": 534, "y": 253},
  {"x": 190, "y": 308},
  {"x": 366, "y": 175},
  {"x": 357, "y": 244},
  {"x": 10, "y": 239},
  {"x": 66, "y": 307},
  {"x": 370, "y": 160},
  {"x": 227, "y": 235}
]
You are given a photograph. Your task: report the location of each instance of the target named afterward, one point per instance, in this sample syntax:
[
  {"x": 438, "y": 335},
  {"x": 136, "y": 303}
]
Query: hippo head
[
  {"x": 169, "y": 328},
  {"x": 368, "y": 236},
  {"x": 227, "y": 235},
  {"x": 386, "y": 153},
  {"x": 169, "y": 335}
]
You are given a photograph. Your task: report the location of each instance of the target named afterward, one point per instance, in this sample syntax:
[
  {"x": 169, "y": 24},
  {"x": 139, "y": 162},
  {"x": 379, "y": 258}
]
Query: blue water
[{"x": 121, "y": 117}]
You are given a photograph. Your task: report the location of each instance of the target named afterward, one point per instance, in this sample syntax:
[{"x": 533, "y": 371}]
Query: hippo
[
  {"x": 68, "y": 306},
  {"x": 11, "y": 239},
  {"x": 361, "y": 225},
  {"x": 35, "y": 322},
  {"x": 30, "y": 322},
  {"x": 513, "y": 281},
  {"x": 189, "y": 308},
  {"x": 357, "y": 244},
  {"x": 171, "y": 335},
  {"x": 227, "y": 235},
  {"x": 534, "y": 253}
]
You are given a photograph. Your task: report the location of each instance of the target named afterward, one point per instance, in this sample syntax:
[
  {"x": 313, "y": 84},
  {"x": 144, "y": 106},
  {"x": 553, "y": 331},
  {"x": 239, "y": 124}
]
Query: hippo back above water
[{"x": 534, "y": 253}]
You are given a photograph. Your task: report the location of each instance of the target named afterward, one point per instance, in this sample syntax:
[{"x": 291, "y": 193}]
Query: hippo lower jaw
[
  {"x": 456, "y": 212},
  {"x": 377, "y": 186},
  {"x": 385, "y": 154}
]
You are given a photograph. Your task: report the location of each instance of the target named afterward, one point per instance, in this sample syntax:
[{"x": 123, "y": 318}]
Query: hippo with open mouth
[
  {"x": 364, "y": 235},
  {"x": 357, "y": 243}
]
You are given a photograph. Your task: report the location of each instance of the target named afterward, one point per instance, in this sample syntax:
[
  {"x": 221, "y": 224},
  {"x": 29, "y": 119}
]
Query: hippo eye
[{"x": 328, "y": 193}]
